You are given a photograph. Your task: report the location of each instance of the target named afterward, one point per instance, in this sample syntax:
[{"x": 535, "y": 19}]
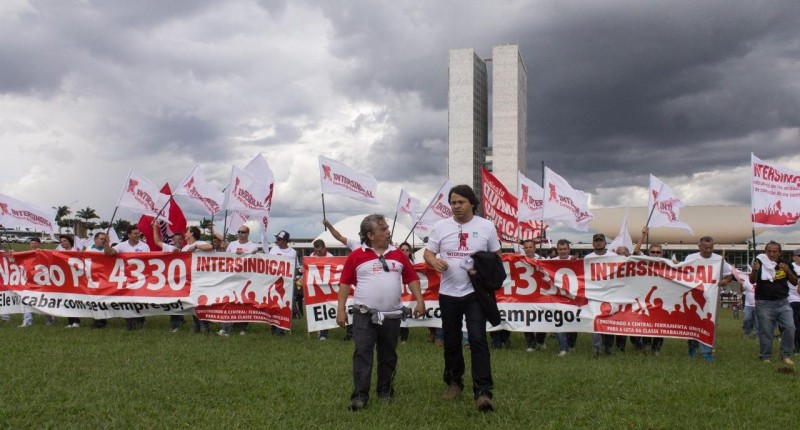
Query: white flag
[
  {"x": 234, "y": 221},
  {"x": 141, "y": 196},
  {"x": 437, "y": 209},
  {"x": 667, "y": 207},
  {"x": 775, "y": 194},
  {"x": 530, "y": 198},
  {"x": 564, "y": 204},
  {"x": 261, "y": 171},
  {"x": 18, "y": 214},
  {"x": 337, "y": 178},
  {"x": 623, "y": 238},
  {"x": 407, "y": 204},
  {"x": 200, "y": 191},
  {"x": 246, "y": 195}
]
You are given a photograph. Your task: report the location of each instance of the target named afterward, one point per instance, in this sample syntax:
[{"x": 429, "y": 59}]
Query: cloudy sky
[{"x": 685, "y": 90}]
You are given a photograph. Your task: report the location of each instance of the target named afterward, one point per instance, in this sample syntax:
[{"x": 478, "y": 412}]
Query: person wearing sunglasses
[
  {"x": 242, "y": 245},
  {"x": 377, "y": 271},
  {"x": 452, "y": 240}
]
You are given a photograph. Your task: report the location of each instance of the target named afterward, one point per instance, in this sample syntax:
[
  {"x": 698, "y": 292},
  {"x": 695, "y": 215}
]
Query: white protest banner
[
  {"x": 635, "y": 296},
  {"x": 141, "y": 196},
  {"x": 564, "y": 204},
  {"x": 623, "y": 238},
  {"x": 337, "y": 178},
  {"x": 775, "y": 194},
  {"x": 216, "y": 286},
  {"x": 18, "y": 214},
  {"x": 200, "y": 191},
  {"x": 667, "y": 208}
]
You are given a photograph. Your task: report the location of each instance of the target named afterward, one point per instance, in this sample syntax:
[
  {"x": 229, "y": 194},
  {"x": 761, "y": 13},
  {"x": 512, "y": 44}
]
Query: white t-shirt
[
  {"x": 726, "y": 268},
  {"x": 245, "y": 248},
  {"x": 749, "y": 293},
  {"x": 126, "y": 246},
  {"x": 353, "y": 244},
  {"x": 288, "y": 252},
  {"x": 454, "y": 241},
  {"x": 608, "y": 253},
  {"x": 794, "y": 296},
  {"x": 196, "y": 242}
]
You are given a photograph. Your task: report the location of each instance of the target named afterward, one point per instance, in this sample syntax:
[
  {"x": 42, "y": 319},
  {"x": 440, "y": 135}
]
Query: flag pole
[
  {"x": 325, "y": 227},
  {"x": 111, "y": 223},
  {"x": 653, "y": 209},
  {"x": 391, "y": 235},
  {"x": 544, "y": 199}
]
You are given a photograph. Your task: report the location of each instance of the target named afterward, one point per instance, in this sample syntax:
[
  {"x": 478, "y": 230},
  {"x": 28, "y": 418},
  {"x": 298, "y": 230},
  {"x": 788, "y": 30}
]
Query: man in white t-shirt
[
  {"x": 133, "y": 244},
  {"x": 282, "y": 248},
  {"x": 320, "y": 250},
  {"x": 706, "y": 247},
  {"x": 602, "y": 341},
  {"x": 351, "y": 244},
  {"x": 451, "y": 240},
  {"x": 242, "y": 245}
]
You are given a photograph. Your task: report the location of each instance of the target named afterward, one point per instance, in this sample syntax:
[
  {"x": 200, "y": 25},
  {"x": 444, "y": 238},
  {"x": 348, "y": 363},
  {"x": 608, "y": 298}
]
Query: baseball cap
[
  {"x": 283, "y": 234},
  {"x": 796, "y": 252},
  {"x": 600, "y": 236}
]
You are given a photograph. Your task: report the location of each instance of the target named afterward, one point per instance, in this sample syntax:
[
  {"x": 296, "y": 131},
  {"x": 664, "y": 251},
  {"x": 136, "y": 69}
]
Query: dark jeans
[
  {"x": 368, "y": 337},
  {"x": 796, "y": 314},
  {"x": 175, "y": 321},
  {"x": 533, "y": 339},
  {"x": 454, "y": 311}
]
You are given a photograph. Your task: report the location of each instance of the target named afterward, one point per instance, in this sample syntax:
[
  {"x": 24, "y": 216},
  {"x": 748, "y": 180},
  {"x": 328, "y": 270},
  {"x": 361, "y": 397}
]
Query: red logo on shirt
[{"x": 462, "y": 241}]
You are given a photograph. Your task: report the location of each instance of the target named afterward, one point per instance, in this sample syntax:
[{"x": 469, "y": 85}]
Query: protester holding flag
[
  {"x": 706, "y": 247},
  {"x": 772, "y": 278},
  {"x": 452, "y": 240}
]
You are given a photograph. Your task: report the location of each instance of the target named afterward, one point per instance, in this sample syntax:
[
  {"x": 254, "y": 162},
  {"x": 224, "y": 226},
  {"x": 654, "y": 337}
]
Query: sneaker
[
  {"x": 24, "y": 325},
  {"x": 562, "y": 354},
  {"x": 323, "y": 338},
  {"x": 766, "y": 360},
  {"x": 356, "y": 405},
  {"x": 223, "y": 333},
  {"x": 175, "y": 330},
  {"x": 542, "y": 347},
  {"x": 484, "y": 404},
  {"x": 530, "y": 349},
  {"x": 452, "y": 393},
  {"x": 242, "y": 333},
  {"x": 787, "y": 361}
]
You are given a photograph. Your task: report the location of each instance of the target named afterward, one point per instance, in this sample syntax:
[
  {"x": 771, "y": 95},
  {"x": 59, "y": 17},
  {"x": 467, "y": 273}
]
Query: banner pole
[
  {"x": 544, "y": 199},
  {"x": 111, "y": 223},
  {"x": 163, "y": 207},
  {"x": 391, "y": 235}
]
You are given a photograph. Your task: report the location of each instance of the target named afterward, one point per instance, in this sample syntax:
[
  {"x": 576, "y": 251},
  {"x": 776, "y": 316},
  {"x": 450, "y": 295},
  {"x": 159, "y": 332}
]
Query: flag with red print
[
  {"x": 437, "y": 209},
  {"x": 775, "y": 194},
  {"x": 176, "y": 224},
  {"x": 407, "y": 204},
  {"x": 261, "y": 171},
  {"x": 247, "y": 195},
  {"x": 17, "y": 214},
  {"x": 141, "y": 196},
  {"x": 667, "y": 207},
  {"x": 200, "y": 191},
  {"x": 624, "y": 237},
  {"x": 337, "y": 178},
  {"x": 564, "y": 204},
  {"x": 530, "y": 198}
]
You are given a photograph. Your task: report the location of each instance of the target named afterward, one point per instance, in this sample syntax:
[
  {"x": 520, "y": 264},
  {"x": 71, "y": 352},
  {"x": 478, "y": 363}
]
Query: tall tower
[
  {"x": 509, "y": 115},
  {"x": 468, "y": 117}
]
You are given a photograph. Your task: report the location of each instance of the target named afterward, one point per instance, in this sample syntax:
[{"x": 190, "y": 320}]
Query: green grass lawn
[{"x": 54, "y": 377}]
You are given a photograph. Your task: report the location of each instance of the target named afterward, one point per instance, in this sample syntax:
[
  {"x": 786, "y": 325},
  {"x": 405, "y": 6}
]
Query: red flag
[
  {"x": 698, "y": 295},
  {"x": 500, "y": 207},
  {"x": 173, "y": 213}
]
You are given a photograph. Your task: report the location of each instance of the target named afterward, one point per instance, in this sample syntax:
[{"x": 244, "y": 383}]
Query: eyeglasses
[{"x": 383, "y": 263}]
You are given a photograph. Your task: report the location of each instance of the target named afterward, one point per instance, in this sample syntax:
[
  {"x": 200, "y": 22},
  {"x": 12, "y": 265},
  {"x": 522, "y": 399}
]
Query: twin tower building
[{"x": 468, "y": 116}]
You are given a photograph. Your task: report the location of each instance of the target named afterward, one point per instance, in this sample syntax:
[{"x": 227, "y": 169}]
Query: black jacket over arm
[{"x": 488, "y": 279}]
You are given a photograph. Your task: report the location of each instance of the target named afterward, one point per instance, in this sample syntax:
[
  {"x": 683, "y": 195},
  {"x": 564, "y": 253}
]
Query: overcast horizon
[{"x": 617, "y": 90}]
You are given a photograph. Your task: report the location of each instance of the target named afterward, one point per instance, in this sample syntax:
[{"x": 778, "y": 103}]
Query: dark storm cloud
[{"x": 616, "y": 89}]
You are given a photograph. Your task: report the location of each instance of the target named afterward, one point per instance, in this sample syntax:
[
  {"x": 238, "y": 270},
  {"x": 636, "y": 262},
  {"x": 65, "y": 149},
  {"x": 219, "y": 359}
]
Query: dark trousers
[
  {"x": 796, "y": 315},
  {"x": 533, "y": 339},
  {"x": 369, "y": 337},
  {"x": 454, "y": 311}
]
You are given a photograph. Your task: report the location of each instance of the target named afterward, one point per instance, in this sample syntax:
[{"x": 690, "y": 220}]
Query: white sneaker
[
  {"x": 24, "y": 325},
  {"x": 562, "y": 354},
  {"x": 242, "y": 333},
  {"x": 542, "y": 347},
  {"x": 222, "y": 333},
  {"x": 323, "y": 338},
  {"x": 530, "y": 349},
  {"x": 175, "y": 330}
]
